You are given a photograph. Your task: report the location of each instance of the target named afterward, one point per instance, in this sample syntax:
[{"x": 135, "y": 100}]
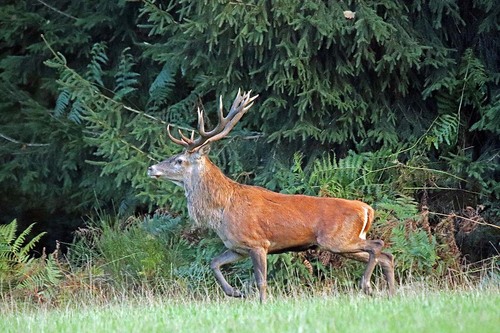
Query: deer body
[
  {"x": 253, "y": 221},
  {"x": 246, "y": 216}
]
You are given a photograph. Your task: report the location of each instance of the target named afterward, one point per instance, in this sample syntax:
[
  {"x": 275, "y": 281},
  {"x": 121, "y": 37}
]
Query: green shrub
[{"x": 132, "y": 251}]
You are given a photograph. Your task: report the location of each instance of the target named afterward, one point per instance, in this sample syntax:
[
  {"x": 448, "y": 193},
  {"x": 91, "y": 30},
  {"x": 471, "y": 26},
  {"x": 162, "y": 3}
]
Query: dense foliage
[{"x": 399, "y": 107}]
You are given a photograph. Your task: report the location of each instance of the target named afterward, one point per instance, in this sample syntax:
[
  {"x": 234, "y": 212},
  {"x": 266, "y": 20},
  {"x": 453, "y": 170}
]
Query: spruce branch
[
  {"x": 57, "y": 10},
  {"x": 8, "y": 138}
]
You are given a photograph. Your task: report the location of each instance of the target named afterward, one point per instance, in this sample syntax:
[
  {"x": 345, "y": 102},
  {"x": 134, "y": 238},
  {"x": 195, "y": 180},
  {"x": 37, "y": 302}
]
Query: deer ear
[
  {"x": 204, "y": 150},
  {"x": 199, "y": 151}
]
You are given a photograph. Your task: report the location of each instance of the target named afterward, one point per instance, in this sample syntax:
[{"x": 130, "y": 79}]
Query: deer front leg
[
  {"x": 226, "y": 258},
  {"x": 259, "y": 260}
]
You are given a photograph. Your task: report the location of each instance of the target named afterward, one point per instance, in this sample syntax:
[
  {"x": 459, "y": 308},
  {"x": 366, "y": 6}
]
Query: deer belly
[{"x": 299, "y": 248}]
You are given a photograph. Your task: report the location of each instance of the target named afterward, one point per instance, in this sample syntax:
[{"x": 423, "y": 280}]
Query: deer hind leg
[
  {"x": 368, "y": 251},
  {"x": 374, "y": 249},
  {"x": 385, "y": 260},
  {"x": 226, "y": 258}
]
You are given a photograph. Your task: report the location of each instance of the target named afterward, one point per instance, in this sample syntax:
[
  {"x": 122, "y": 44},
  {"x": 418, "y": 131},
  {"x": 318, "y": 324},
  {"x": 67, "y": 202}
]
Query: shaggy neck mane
[{"x": 208, "y": 191}]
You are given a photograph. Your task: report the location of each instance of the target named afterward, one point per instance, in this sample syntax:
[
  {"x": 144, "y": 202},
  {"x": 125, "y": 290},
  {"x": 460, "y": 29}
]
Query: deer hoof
[
  {"x": 365, "y": 286},
  {"x": 368, "y": 290},
  {"x": 236, "y": 293}
]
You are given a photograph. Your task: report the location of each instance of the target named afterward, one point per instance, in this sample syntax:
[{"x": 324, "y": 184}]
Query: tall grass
[{"x": 414, "y": 309}]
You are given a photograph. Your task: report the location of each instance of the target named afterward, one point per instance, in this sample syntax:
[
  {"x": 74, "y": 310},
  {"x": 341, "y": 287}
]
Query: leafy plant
[
  {"x": 14, "y": 249},
  {"x": 20, "y": 272}
]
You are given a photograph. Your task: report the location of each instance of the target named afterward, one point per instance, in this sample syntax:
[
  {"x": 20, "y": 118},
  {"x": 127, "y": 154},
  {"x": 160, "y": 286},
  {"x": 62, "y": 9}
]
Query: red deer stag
[{"x": 253, "y": 221}]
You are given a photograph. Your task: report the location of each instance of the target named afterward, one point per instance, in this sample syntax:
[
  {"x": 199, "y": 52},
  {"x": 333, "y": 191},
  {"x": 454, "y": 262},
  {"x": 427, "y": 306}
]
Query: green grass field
[{"x": 412, "y": 310}]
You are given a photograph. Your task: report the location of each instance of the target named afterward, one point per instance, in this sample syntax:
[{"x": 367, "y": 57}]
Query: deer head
[{"x": 180, "y": 167}]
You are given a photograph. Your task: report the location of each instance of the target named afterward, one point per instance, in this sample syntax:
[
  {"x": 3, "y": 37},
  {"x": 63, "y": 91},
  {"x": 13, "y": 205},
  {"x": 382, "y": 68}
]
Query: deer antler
[{"x": 240, "y": 106}]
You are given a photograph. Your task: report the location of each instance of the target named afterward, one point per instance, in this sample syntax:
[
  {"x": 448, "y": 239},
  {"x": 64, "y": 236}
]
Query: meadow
[{"x": 415, "y": 308}]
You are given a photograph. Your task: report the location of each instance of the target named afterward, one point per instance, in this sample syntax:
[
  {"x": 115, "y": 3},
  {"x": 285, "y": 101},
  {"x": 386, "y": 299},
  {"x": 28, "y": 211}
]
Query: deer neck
[{"x": 208, "y": 192}]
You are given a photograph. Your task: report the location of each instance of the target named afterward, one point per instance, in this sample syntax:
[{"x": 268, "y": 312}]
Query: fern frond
[
  {"x": 19, "y": 241},
  {"x": 8, "y": 233},
  {"x": 24, "y": 251},
  {"x": 62, "y": 103},
  {"x": 161, "y": 88},
  {"x": 53, "y": 273},
  {"x": 98, "y": 58},
  {"x": 126, "y": 79},
  {"x": 443, "y": 130},
  {"x": 38, "y": 273},
  {"x": 76, "y": 113},
  {"x": 339, "y": 178},
  {"x": 402, "y": 207}
]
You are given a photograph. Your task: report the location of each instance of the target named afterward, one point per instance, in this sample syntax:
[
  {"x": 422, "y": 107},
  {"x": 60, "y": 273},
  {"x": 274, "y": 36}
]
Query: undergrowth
[{"x": 164, "y": 255}]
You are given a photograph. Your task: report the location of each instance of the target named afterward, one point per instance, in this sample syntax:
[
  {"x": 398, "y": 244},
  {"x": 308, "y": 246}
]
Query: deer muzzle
[{"x": 153, "y": 172}]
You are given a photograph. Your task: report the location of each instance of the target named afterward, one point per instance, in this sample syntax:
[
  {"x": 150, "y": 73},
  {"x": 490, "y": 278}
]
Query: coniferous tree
[{"x": 407, "y": 88}]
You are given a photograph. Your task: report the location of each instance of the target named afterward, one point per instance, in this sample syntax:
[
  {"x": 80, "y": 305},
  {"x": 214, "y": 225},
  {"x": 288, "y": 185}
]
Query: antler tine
[
  {"x": 236, "y": 104},
  {"x": 185, "y": 138},
  {"x": 249, "y": 103},
  {"x": 201, "y": 122},
  {"x": 240, "y": 106},
  {"x": 222, "y": 121},
  {"x": 221, "y": 107},
  {"x": 175, "y": 140}
]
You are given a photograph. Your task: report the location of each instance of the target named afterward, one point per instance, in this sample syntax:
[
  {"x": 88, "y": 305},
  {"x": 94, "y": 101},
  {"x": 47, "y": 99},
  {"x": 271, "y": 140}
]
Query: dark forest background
[{"x": 398, "y": 107}]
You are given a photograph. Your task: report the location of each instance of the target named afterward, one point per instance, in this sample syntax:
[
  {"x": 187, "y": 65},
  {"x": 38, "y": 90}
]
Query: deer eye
[{"x": 178, "y": 161}]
